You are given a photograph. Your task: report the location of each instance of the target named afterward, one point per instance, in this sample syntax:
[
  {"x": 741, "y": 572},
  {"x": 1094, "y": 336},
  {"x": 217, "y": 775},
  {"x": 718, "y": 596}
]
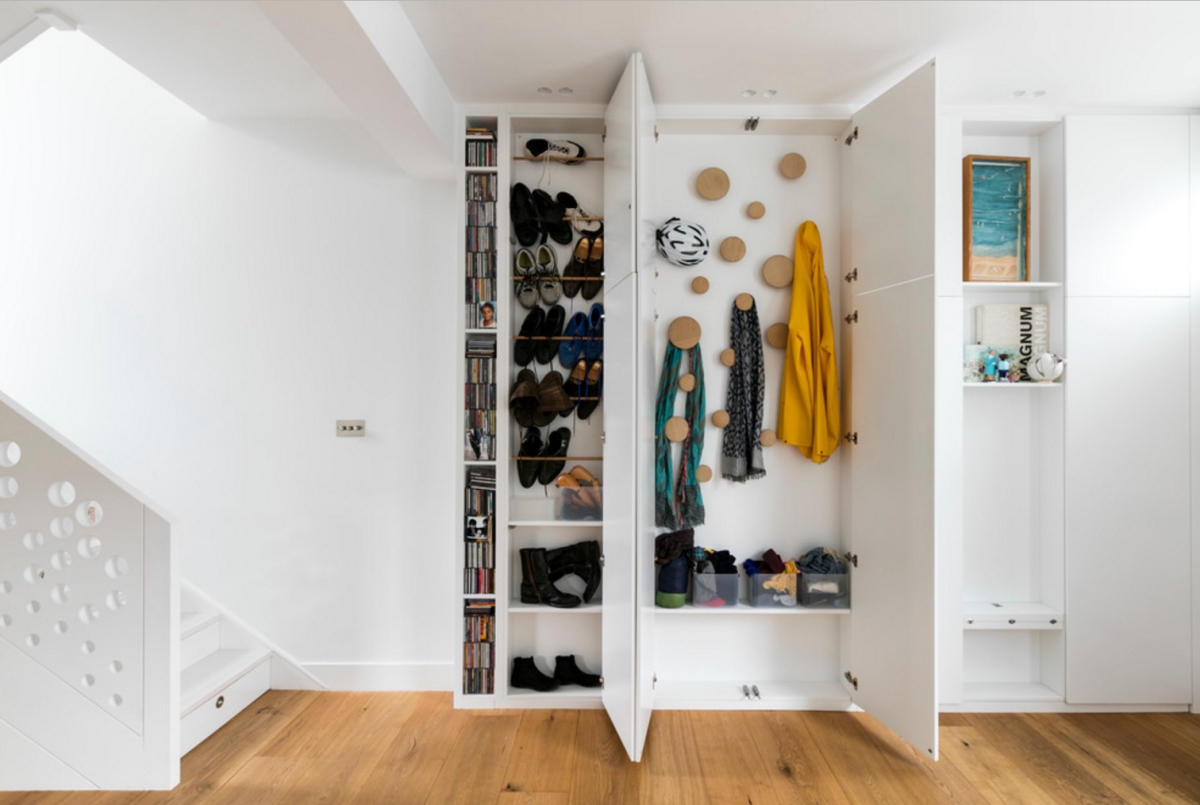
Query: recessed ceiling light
[
  {"x": 565, "y": 90},
  {"x": 545, "y": 91},
  {"x": 747, "y": 93},
  {"x": 769, "y": 93},
  {"x": 1016, "y": 93},
  {"x": 1037, "y": 93}
]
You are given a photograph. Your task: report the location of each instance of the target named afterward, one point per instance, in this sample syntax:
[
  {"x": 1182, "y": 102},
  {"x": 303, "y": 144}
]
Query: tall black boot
[
  {"x": 582, "y": 559},
  {"x": 536, "y": 587}
]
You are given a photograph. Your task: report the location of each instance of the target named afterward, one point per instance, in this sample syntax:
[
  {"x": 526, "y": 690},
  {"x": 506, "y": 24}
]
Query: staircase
[{"x": 224, "y": 670}]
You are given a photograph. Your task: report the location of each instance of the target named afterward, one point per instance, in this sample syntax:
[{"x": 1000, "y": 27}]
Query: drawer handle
[
  {"x": 1012, "y": 621},
  {"x": 220, "y": 702}
]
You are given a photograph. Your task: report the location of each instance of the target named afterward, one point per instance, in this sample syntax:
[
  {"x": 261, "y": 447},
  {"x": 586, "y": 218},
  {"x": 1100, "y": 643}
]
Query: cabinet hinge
[
  {"x": 852, "y": 318},
  {"x": 604, "y": 433},
  {"x": 852, "y": 558},
  {"x": 852, "y": 437},
  {"x": 604, "y": 135},
  {"x": 656, "y": 133},
  {"x": 852, "y": 276},
  {"x": 853, "y": 136},
  {"x": 601, "y": 560},
  {"x": 654, "y": 680},
  {"x": 853, "y": 680}
]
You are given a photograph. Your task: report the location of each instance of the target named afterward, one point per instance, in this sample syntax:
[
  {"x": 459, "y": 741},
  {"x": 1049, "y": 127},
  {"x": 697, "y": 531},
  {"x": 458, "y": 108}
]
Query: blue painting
[{"x": 998, "y": 249}]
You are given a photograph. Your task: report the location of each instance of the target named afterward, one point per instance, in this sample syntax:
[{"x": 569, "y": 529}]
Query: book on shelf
[{"x": 479, "y": 649}]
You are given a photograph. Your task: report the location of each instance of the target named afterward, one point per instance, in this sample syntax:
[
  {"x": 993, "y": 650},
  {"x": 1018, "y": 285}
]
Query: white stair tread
[
  {"x": 207, "y": 677},
  {"x": 192, "y": 622}
]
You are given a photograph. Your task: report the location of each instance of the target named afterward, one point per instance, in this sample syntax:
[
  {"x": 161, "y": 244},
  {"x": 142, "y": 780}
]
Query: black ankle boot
[
  {"x": 582, "y": 559},
  {"x": 525, "y": 674},
  {"x": 566, "y": 672},
  {"x": 536, "y": 587}
]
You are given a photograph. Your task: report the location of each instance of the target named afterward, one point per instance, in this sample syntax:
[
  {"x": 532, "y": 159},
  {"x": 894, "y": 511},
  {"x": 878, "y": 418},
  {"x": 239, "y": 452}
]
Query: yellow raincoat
[{"x": 809, "y": 408}]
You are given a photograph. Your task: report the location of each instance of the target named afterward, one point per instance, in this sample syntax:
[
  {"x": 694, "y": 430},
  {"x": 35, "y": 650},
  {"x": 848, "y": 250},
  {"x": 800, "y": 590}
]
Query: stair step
[
  {"x": 192, "y": 622},
  {"x": 207, "y": 677}
]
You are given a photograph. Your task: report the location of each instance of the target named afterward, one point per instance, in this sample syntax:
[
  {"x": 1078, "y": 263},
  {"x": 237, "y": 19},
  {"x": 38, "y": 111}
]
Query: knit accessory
[
  {"x": 741, "y": 453},
  {"x": 677, "y": 502},
  {"x": 671, "y": 546}
]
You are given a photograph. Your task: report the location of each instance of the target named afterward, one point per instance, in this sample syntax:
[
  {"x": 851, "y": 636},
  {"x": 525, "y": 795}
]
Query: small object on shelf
[
  {"x": 677, "y": 429},
  {"x": 525, "y": 674},
  {"x": 754, "y": 689},
  {"x": 1002, "y": 367},
  {"x": 704, "y": 473},
  {"x": 487, "y": 315},
  {"x": 996, "y": 203},
  {"x": 733, "y": 249},
  {"x": 715, "y": 589},
  {"x": 728, "y": 357},
  {"x": 767, "y": 437},
  {"x": 792, "y": 166},
  {"x": 700, "y": 285},
  {"x": 687, "y": 382},
  {"x": 777, "y": 271},
  {"x": 582, "y": 503},
  {"x": 1046, "y": 368},
  {"x": 825, "y": 590},
  {"x": 712, "y": 184},
  {"x": 756, "y": 210},
  {"x": 777, "y": 335},
  {"x": 673, "y": 583},
  {"x": 568, "y": 152},
  {"x": 744, "y": 301},
  {"x": 720, "y": 418},
  {"x": 773, "y": 589},
  {"x": 682, "y": 243},
  {"x": 684, "y": 332}
]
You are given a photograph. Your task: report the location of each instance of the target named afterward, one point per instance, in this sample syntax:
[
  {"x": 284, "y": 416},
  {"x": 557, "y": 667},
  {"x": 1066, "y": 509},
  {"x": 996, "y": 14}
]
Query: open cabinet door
[
  {"x": 892, "y": 643},
  {"x": 619, "y": 627}
]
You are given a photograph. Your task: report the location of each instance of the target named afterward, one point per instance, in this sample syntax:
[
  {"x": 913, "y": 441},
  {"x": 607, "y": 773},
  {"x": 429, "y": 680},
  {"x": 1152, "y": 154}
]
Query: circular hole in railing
[
  {"x": 33, "y": 607},
  {"x": 61, "y": 627},
  {"x": 8, "y": 521},
  {"x": 89, "y": 513},
  {"x": 89, "y": 547},
  {"x": 87, "y": 647},
  {"x": 116, "y": 666},
  {"x": 8, "y": 487},
  {"x": 34, "y": 573},
  {"x": 5, "y": 621},
  {"x": 62, "y": 527},
  {"x": 34, "y": 540},
  {"x": 89, "y": 613},
  {"x": 116, "y": 567},
  {"x": 10, "y": 454},
  {"x": 88, "y": 680},
  {"x": 33, "y": 641},
  {"x": 61, "y": 560},
  {"x": 5, "y": 587},
  {"x": 115, "y": 600},
  {"x": 115, "y": 700},
  {"x": 62, "y": 493},
  {"x": 61, "y": 593}
]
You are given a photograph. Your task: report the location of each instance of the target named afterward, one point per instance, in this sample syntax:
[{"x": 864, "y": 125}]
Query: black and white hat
[{"x": 682, "y": 243}]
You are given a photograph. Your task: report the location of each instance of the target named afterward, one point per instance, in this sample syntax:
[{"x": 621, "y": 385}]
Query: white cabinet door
[
  {"x": 892, "y": 183},
  {"x": 1128, "y": 484},
  {"x": 1127, "y": 205},
  {"x": 621, "y": 479},
  {"x": 892, "y": 631}
]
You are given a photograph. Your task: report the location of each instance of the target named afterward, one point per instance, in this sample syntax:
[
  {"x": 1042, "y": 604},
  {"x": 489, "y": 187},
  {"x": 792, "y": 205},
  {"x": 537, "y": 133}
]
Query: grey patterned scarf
[{"x": 741, "y": 452}]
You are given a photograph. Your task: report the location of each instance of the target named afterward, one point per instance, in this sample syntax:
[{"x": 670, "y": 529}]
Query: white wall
[{"x": 195, "y": 304}]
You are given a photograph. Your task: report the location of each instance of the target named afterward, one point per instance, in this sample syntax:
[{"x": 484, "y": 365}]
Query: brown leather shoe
[
  {"x": 552, "y": 399},
  {"x": 577, "y": 267},
  {"x": 595, "y": 269},
  {"x": 524, "y": 398}
]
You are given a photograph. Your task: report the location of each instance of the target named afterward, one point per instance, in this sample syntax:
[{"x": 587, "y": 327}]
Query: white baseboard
[{"x": 364, "y": 676}]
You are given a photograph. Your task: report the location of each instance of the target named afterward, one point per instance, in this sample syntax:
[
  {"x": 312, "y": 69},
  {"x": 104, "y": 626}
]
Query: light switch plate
[{"x": 351, "y": 427}]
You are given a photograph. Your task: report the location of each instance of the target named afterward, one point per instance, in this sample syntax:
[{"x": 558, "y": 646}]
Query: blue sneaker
[
  {"x": 594, "y": 347},
  {"x": 571, "y": 345}
]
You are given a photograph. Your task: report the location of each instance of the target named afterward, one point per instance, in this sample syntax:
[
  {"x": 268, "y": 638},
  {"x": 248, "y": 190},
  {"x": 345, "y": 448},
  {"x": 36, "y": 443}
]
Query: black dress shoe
[
  {"x": 524, "y": 215},
  {"x": 551, "y": 328},
  {"x": 556, "y": 447},
  {"x": 526, "y": 675},
  {"x": 566, "y": 672},
  {"x": 531, "y": 446},
  {"x": 525, "y": 350},
  {"x": 552, "y": 217}
]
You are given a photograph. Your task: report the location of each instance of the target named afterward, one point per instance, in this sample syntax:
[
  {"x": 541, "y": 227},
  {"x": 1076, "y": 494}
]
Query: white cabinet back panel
[
  {"x": 1127, "y": 205},
  {"x": 1127, "y": 502}
]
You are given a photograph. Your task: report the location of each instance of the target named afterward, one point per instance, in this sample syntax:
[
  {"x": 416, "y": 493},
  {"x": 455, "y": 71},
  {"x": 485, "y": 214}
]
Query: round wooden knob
[
  {"x": 687, "y": 382},
  {"x": 712, "y": 184},
  {"x": 744, "y": 301},
  {"x": 677, "y": 429},
  {"x": 733, "y": 249},
  {"x": 684, "y": 332},
  {"x": 766, "y": 438},
  {"x": 777, "y": 335},
  {"x": 777, "y": 271},
  {"x": 700, "y": 285},
  {"x": 756, "y": 210},
  {"x": 704, "y": 473},
  {"x": 720, "y": 418},
  {"x": 728, "y": 356},
  {"x": 792, "y": 166}
]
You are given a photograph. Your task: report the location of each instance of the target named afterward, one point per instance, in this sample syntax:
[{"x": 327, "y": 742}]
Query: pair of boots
[
  {"x": 525, "y": 674},
  {"x": 540, "y": 568}
]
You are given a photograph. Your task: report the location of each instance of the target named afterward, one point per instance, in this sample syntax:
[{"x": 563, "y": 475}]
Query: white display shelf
[
  {"x": 1008, "y": 287},
  {"x": 594, "y": 607},
  {"x": 556, "y": 523},
  {"x": 478, "y": 169},
  {"x": 482, "y": 462},
  {"x": 727, "y": 695},
  {"x": 744, "y": 608},
  {"x": 570, "y": 697},
  {"x": 1009, "y": 692},
  {"x": 1011, "y": 615},
  {"x": 1040, "y": 386},
  {"x": 480, "y": 331}
]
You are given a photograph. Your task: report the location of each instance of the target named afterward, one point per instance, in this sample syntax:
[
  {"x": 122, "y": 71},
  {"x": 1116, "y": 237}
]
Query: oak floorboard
[
  {"x": 1145, "y": 747},
  {"x": 672, "y": 772},
  {"x": 997, "y": 779},
  {"x": 474, "y": 770},
  {"x": 544, "y": 752},
  {"x": 308, "y": 735},
  {"x": 533, "y": 798},
  {"x": 734, "y": 769},
  {"x": 932, "y": 782},
  {"x": 412, "y": 761},
  {"x": 602, "y": 773},
  {"x": 798, "y": 770},
  {"x": 859, "y": 763},
  {"x": 260, "y": 781}
]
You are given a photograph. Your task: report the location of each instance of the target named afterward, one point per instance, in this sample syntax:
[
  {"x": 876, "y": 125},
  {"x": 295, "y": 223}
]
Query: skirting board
[
  {"x": 372, "y": 676},
  {"x": 29, "y": 767},
  {"x": 1059, "y": 707}
]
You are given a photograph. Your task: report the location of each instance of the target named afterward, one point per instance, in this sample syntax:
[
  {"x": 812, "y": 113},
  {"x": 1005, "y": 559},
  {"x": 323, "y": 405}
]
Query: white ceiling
[{"x": 1083, "y": 54}]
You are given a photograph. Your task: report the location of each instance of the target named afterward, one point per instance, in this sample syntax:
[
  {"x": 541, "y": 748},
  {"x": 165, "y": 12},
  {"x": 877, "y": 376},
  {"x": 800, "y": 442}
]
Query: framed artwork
[{"x": 995, "y": 219}]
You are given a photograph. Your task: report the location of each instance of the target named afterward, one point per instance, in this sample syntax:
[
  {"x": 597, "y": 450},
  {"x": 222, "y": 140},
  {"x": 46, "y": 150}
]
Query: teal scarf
[{"x": 678, "y": 504}]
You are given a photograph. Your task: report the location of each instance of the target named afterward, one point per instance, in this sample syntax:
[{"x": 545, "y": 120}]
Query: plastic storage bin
[
  {"x": 582, "y": 504},
  {"x": 825, "y": 591},
  {"x": 768, "y": 590},
  {"x": 714, "y": 589}
]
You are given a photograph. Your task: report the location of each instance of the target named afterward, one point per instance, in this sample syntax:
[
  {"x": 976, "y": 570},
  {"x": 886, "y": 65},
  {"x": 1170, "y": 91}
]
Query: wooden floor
[{"x": 294, "y": 746}]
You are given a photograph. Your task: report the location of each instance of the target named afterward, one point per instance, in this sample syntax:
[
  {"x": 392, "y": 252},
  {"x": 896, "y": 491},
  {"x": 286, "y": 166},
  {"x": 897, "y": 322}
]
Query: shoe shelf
[
  {"x": 1035, "y": 385},
  {"x": 1008, "y": 287},
  {"x": 557, "y": 159},
  {"x": 517, "y": 608},
  {"x": 744, "y": 608},
  {"x": 556, "y": 523},
  {"x": 572, "y": 698},
  {"x": 1011, "y": 615},
  {"x": 728, "y": 695},
  {"x": 1009, "y": 692},
  {"x": 560, "y": 458}
]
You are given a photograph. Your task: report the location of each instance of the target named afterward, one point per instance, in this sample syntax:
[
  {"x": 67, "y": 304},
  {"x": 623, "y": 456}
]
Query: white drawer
[{"x": 220, "y": 708}]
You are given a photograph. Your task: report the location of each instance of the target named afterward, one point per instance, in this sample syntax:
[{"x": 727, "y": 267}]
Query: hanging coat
[{"x": 809, "y": 407}]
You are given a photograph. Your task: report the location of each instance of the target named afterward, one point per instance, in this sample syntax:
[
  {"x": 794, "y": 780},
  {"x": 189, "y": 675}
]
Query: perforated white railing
[{"x": 88, "y": 676}]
